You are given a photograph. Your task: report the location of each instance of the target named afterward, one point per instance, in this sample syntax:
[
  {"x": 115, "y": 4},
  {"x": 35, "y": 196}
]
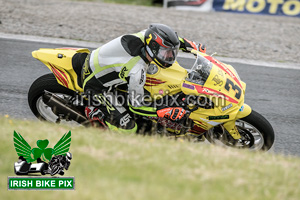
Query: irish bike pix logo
[{"x": 42, "y": 160}]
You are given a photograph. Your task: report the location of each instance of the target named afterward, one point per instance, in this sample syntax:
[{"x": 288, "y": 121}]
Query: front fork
[{"x": 231, "y": 127}]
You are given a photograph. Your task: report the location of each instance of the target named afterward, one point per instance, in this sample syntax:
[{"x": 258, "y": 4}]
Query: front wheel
[{"x": 256, "y": 134}]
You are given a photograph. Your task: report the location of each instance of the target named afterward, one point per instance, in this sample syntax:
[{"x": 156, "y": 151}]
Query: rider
[{"x": 125, "y": 60}]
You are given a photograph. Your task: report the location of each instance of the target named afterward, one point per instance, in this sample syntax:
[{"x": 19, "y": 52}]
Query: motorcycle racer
[{"x": 124, "y": 61}]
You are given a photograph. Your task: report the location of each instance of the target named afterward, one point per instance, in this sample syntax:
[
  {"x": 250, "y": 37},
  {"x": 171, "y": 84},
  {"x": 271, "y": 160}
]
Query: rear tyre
[{"x": 38, "y": 107}]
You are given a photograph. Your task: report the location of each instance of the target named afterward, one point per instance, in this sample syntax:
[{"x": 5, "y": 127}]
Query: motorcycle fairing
[
  {"x": 225, "y": 89},
  {"x": 59, "y": 61},
  {"x": 165, "y": 81}
]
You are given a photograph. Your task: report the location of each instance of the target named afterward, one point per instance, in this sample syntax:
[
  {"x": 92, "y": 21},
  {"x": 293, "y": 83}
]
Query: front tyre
[
  {"x": 256, "y": 132},
  {"x": 260, "y": 129}
]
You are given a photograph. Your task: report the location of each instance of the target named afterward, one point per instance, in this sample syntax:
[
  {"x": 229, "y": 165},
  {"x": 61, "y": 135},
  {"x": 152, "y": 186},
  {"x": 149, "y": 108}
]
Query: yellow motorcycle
[{"x": 211, "y": 91}]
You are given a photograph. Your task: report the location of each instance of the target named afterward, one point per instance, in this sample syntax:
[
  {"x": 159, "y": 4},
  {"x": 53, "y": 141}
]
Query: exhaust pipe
[{"x": 59, "y": 105}]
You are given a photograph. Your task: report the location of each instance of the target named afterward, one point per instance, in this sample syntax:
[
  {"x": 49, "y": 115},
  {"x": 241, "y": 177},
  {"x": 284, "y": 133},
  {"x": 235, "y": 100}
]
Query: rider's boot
[{"x": 95, "y": 116}]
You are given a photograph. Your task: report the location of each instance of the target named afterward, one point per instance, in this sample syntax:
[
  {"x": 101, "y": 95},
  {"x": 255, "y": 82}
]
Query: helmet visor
[{"x": 168, "y": 55}]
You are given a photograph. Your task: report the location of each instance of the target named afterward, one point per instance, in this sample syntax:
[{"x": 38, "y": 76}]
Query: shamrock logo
[
  {"x": 24, "y": 149},
  {"x": 42, "y": 152}
]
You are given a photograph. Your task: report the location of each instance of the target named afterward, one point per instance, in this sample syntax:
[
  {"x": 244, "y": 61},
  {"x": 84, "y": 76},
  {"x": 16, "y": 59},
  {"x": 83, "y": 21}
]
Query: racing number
[{"x": 229, "y": 84}]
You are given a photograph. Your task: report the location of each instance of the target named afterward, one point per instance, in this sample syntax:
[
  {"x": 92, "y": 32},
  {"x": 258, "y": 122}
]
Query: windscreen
[{"x": 200, "y": 70}]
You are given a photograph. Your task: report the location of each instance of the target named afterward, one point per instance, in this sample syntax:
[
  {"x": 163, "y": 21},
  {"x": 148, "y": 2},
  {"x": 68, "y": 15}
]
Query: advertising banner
[
  {"x": 199, "y": 5},
  {"x": 270, "y": 7}
]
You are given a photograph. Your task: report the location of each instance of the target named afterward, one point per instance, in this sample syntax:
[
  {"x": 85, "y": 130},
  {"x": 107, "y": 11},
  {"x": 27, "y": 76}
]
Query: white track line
[{"x": 67, "y": 42}]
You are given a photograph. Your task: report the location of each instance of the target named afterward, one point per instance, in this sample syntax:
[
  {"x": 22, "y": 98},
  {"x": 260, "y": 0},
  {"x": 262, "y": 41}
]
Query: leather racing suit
[{"x": 121, "y": 61}]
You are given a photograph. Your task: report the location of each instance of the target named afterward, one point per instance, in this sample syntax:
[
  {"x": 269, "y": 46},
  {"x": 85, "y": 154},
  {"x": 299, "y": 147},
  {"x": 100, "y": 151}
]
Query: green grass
[{"x": 116, "y": 166}]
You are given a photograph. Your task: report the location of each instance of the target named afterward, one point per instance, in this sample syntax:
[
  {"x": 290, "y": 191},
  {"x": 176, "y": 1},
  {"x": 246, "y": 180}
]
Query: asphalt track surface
[{"x": 273, "y": 92}]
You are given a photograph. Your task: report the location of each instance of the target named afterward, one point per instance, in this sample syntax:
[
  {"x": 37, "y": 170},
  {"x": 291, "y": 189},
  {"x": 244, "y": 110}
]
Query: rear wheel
[
  {"x": 38, "y": 107},
  {"x": 256, "y": 134}
]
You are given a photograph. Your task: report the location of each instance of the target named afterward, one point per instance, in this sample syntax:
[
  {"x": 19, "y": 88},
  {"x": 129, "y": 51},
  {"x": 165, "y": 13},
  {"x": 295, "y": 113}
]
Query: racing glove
[
  {"x": 187, "y": 46},
  {"x": 202, "y": 48},
  {"x": 174, "y": 114}
]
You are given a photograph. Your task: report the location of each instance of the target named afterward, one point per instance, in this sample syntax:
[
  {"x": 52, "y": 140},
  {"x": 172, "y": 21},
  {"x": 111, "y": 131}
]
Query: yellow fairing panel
[
  {"x": 59, "y": 61},
  {"x": 165, "y": 81}
]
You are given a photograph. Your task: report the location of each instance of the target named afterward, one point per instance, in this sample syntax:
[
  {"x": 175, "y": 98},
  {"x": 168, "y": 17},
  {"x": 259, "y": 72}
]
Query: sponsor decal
[
  {"x": 124, "y": 120},
  {"x": 142, "y": 76},
  {"x": 242, "y": 108},
  {"x": 122, "y": 72},
  {"x": 86, "y": 72},
  {"x": 192, "y": 87},
  {"x": 218, "y": 117},
  {"x": 49, "y": 161},
  {"x": 210, "y": 122},
  {"x": 105, "y": 102},
  {"x": 227, "y": 107},
  {"x": 214, "y": 93},
  {"x": 270, "y": 7},
  {"x": 217, "y": 81}
]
